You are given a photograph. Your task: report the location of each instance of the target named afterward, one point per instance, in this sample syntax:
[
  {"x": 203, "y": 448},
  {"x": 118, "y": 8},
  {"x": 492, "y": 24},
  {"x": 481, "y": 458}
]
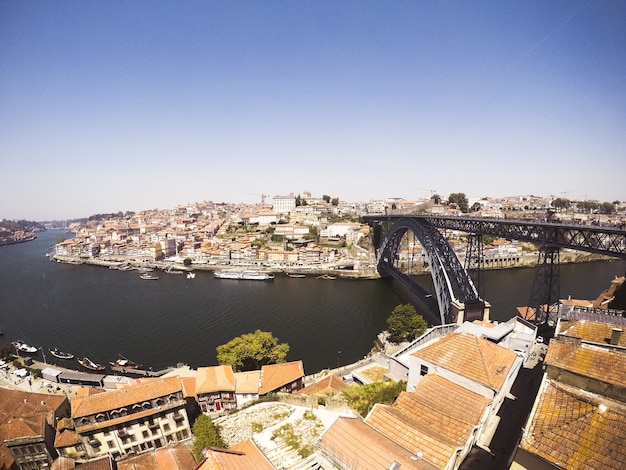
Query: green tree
[
  {"x": 251, "y": 351},
  {"x": 476, "y": 207},
  {"x": 335, "y": 201},
  {"x": 187, "y": 261},
  {"x": 326, "y": 198},
  {"x": 561, "y": 204},
  {"x": 404, "y": 324},
  {"x": 205, "y": 434},
  {"x": 436, "y": 198},
  {"x": 607, "y": 208},
  {"x": 361, "y": 398},
  {"x": 460, "y": 200}
]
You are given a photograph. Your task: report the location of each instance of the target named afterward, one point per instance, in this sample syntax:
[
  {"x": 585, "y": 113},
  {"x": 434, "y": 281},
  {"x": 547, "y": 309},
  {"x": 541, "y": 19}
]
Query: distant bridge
[{"x": 455, "y": 290}]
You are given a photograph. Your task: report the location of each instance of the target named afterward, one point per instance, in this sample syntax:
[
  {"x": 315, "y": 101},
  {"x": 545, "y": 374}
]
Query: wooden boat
[
  {"x": 23, "y": 347},
  {"x": 61, "y": 354},
  {"x": 89, "y": 364},
  {"x": 124, "y": 363}
]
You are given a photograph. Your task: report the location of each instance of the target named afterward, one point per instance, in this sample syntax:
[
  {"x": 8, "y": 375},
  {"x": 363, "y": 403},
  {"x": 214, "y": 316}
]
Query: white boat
[
  {"x": 191, "y": 275},
  {"x": 145, "y": 269},
  {"x": 244, "y": 275},
  {"x": 149, "y": 276},
  {"x": 23, "y": 347}
]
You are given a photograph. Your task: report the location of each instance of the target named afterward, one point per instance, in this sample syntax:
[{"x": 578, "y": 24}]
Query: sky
[{"x": 110, "y": 106}]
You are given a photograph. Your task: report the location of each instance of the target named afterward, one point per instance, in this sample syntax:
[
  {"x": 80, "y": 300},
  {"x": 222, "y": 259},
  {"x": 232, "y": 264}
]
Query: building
[
  {"x": 27, "y": 428},
  {"x": 285, "y": 377},
  {"x": 284, "y": 204},
  {"x": 245, "y": 455},
  {"x": 579, "y": 416},
  {"x": 215, "y": 389},
  {"x": 133, "y": 419}
]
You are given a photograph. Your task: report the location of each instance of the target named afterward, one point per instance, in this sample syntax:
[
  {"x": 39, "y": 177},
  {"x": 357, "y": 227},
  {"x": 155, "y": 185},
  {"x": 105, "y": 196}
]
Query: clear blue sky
[{"x": 132, "y": 105}]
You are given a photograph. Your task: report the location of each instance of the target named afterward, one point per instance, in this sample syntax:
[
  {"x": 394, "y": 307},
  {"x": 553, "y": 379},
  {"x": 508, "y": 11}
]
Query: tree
[
  {"x": 460, "y": 200},
  {"x": 326, "y": 198},
  {"x": 607, "y": 208},
  {"x": 436, "y": 198},
  {"x": 187, "y": 261},
  {"x": 205, "y": 434},
  {"x": 335, "y": 201},
  {"x": 561, "y": 204},
  {"x": 404, "y": 324},
  {"x": 251, "y": 351},
  {"x": 476, "y": 207}
]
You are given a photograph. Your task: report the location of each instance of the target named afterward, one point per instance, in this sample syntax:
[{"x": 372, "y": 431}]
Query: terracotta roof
[
  {"x": 243, "y": 456},
  {"x": 32, "y": 425},
  {"x": 215, "y": 379},
  {"x": 104, "y": 463},
  {"x": 172, "y": 457},
  {"x": 326, "y": 385},
  {"x": 127, "y": 396},
  {"x": 275, "y": 376},
  {"x": 588, "y": 360},
  {"x": 571, "y": 428},
  {"x": 472, "y": 357},
  {"x": 66, "y": 438},
  {"x": 436, "y": 419},
  {"x": 595, "y": 332},
  {"x": 360, "y": 447},
  {"x": 247, "y": 382}
]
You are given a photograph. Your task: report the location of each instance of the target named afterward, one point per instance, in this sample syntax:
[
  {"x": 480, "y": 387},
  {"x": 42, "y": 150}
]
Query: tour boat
[
  {"x": 244, "y": 275},
  {"x": 23, "y": 347},
  {"x": 89, "y": 364},
  {"x": 61, "y": 354}
]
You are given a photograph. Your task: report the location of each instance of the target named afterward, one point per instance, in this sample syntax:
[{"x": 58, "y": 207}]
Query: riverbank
[{"x": 525, "y": 260}]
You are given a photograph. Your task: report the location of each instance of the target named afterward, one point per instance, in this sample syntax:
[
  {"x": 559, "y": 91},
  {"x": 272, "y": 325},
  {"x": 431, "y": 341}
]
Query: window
[
  {"x": 423, "y": 370},
  {"x": 166, "y": 427},
  {"x": 145, "y": 434},
  {"x": 110, "y": 444}
]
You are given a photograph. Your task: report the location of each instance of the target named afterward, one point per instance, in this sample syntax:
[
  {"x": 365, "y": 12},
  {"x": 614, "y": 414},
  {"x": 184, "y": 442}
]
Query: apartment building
[
  {"x": 284, "y": 204},
  {"x": 132, "y": 419}
]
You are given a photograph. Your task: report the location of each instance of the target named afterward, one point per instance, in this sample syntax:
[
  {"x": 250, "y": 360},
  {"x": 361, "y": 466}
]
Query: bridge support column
[
  {"x": 460, "y": 312},
  {"x": 543, "y": 305}
]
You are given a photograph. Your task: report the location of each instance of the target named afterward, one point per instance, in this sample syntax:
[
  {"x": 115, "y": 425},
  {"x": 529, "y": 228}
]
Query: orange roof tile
[
  {"x": 360, "y": 447},
  {"x": 172, "y": 457},
  {"x": 66, "y": 438},
  {"x": 247, "y": 382},
  {"x": 243, "y": 456},
  {"x": 114, "y": 399},
  {"x": 571, "y": 428},
  {"x": 469, "y": 356},
  {"x": 215, "y": 379},
  {"x": 275, "y": 376},
  {"x": 595, "y": 332},
  {"x": 326, "y": 385},
  {"x": 588, "y": 360}
]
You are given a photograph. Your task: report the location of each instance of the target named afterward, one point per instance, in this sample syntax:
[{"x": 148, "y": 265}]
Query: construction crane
[{"x": 263, "y": 196}]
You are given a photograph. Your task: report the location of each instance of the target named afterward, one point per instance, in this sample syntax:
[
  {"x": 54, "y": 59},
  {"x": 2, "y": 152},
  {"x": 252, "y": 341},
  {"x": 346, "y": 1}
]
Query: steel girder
[
  {"x": 594, "y": 239},
  {"x": 450, "y": 279}
]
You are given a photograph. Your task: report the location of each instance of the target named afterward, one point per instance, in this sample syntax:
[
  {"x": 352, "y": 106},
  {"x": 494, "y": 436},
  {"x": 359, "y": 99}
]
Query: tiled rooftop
[
  {"x": 215, "y": 379},
  {"x": 360, "y": 447},
  {"x": 592, "y": 331},
  {"x": 172, "y": 457},
  {"x": 247, "y": 382},
  {"x": 571, "y": 428},
  {"x": 243, "y": 456},
  {"x": 436, "y": 419},
  {"x": 469, "y": 356},
  {"x": 127, "y": 396},
  {"x": 326, "y": 385},
  {"x": 275, "y": 376},
  {"x": 588, "y": 360}
]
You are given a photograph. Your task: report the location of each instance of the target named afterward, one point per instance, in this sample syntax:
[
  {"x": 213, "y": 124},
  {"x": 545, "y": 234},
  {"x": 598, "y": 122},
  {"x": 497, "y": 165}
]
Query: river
[{"x": 96, "y": 312}]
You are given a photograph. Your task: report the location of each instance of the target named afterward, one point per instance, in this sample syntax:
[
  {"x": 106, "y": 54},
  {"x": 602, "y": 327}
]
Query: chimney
[{"x": 616, "y": 334}]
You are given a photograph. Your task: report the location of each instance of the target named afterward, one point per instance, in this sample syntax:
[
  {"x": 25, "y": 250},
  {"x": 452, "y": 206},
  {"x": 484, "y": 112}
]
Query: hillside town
[
  {"x": 474, "y": 395},
  {"x": 296, "y": 233}
]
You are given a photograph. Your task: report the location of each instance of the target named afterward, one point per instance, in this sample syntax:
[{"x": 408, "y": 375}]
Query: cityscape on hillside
[{"x": 448, "y": 410}]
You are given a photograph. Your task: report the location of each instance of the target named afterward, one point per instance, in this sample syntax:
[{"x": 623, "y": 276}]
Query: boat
[
  {"x": 149, "y": 276},
  {"x": 21, "y": 346},
  {"x": 171, "y": 270},
  {"x": 296, "y": 275},
  {"x": 191, "y": 275},
  {"x": 327, "y": 277},
  {"x": 244, "y": 275},
  {"x": 124, "y": 363},
  {"x": 89, "y": 364},
  {"x": 61, "y": 354},
  {"x": 145, "y": 269}
]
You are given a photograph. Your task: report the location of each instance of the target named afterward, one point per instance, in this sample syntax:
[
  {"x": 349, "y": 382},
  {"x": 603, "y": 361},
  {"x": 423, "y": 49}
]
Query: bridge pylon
[
  {"x": 545, "y": 295},
  {"x": 475, "y": 262}
]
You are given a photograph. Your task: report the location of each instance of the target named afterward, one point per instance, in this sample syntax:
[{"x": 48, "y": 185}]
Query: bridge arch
[{"x": 450, "y": 279}]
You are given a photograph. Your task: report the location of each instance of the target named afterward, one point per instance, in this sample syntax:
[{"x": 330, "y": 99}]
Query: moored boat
[
  {"x": 89, "y": 364},
  {"x": 191, "y": 275},
  {"x": 56, "y": 352},
  {"x": 124, "y": 363},
  {"x": 149, "y": 276},
  {"x": 327, "y": 277},
  {"x": 244, "y": 275},
  {"x": 23, "y": 347},
  {"x": 296, "y": 275}
]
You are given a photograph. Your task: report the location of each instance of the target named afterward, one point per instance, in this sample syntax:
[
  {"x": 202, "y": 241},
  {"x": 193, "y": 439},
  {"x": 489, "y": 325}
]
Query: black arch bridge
[{"x": 454, "y": 288}]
